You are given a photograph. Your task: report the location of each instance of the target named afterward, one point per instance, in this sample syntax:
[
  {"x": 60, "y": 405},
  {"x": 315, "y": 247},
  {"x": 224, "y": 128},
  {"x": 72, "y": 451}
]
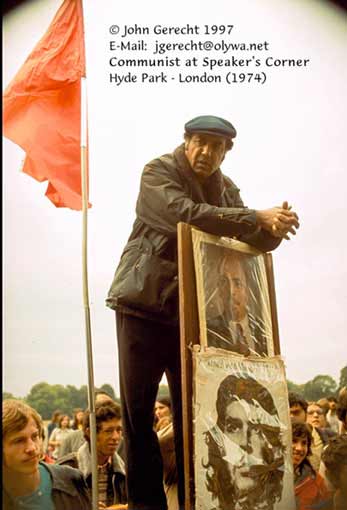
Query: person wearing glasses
[{"x": 320, "y": 433}]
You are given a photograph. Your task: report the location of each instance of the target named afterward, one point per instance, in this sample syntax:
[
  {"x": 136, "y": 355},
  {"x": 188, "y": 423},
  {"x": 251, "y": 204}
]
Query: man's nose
[
  {"x": 243, "y": 438},
  {"x": 30, "y": 446},
  {"x": 116, "y": 434},
  {"x": 206, "y": 150},
  {"x": 298, "y": 449}
]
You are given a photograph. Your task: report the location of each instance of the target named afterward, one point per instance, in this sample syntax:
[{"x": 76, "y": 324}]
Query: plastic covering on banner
[
  {"x": 242, "y": 433},
  {"x": 233, "y": 297}
]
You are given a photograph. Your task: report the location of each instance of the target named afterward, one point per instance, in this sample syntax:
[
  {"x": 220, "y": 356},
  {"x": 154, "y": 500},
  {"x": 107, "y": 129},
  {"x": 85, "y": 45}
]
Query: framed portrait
[
  {"x": 236, "y": 309},
  {"x": 242, "y": 433}
]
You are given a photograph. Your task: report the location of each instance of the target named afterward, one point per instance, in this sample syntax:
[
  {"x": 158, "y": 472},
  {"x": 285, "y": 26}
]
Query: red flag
[{"x": 42, "y": 107}]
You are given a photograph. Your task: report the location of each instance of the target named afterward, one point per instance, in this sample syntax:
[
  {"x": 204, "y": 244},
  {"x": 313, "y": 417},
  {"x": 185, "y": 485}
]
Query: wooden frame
[
  {"x": 190, "y": 337},
  {"x": 233, "y": 290}
]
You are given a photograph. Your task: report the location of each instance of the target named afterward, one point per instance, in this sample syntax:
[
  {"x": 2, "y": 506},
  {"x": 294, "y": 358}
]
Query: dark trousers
[{"x": 146, "y": 350}]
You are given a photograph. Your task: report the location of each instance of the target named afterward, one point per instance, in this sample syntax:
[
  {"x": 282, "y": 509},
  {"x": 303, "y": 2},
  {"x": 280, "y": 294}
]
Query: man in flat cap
[{"x": 186, "y": 186}]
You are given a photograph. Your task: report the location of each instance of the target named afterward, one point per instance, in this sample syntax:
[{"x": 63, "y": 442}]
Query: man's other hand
[{"x": 279, "y": 221}]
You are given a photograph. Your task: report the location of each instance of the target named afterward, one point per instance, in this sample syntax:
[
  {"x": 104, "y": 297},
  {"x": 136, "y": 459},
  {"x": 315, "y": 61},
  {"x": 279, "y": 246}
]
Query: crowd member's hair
[
  {"x": 218, "y": 478},
  {"x": 55, "y": 416},
  {"x": 332, "y": 398},
  {"x": 341, "y": 409},
  {"x": 16, "y": 415},
  {"x": 334, "y": 457},
  {"x": 61, "y": 417},
  {"x": 165, "y": 400},
  {"x": 324, "y": 404},
  {"x": 75, "y": 413},
  {"x": 103, "y": 412},
  {"x": 315, "y": 403},
  {"x": 228, "y": 141},
  {"x": 101, "y": 393},
  {"x": 303, "y": 431},
  {"x": 297, "y": 400}
]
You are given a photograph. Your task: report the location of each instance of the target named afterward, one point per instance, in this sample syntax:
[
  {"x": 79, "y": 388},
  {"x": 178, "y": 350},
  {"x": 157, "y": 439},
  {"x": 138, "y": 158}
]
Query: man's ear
[{"x": 186, "y": 141}]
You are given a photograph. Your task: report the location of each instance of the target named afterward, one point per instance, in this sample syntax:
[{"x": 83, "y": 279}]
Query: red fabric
[
  {"x": 311, "y": 490},
  {"x": 42, "y": 107},
  {"x": 48, "y": 460}
]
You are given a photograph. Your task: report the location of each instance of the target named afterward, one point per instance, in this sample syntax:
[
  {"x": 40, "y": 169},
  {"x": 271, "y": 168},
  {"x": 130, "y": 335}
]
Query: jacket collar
[
  {"x": 213, "y": 188},
  {"x": 84, "y": 460},
  {"x": 61, "y": 480}
]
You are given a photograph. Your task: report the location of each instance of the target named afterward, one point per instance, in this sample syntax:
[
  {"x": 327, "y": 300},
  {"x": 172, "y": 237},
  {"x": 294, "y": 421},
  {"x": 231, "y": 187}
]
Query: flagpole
[
  {"x": 85, "y": 196},
  {"x": 91, "y": 398}
]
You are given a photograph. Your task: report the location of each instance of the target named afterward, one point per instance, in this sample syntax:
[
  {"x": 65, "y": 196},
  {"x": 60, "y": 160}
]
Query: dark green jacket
[
  {"x": 69, "y": 490},
  {"x": 145, "y": 282}
]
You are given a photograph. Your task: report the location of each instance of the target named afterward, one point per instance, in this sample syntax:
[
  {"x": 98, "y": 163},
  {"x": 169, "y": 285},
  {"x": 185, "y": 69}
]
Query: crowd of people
[
  {"x": 55, "y": 471},
  {"x": 35, "y": 456},
  {"x": 319, "y": 451}
]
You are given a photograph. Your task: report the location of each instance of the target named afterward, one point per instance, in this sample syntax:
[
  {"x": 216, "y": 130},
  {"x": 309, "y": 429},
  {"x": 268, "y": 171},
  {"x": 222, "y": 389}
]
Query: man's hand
[
  {"x": 118, "y": 506},
  {"x": 279, "y": 221}
]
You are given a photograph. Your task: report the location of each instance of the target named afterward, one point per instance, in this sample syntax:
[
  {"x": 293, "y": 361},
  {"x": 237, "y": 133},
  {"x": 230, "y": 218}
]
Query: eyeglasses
[{"x": 316, "y": 411}]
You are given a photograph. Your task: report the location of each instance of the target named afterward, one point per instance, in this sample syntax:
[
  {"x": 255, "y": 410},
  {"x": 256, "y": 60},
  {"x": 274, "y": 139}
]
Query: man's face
[
  {"x": 108, "y": 437},
  {"x": 299, "y": 450},
  {"x": 205, "y": 153},
  {"x": 235, "y": 280},
  {"x": 297, "y": 414},
  {"x": 249, "y": 445},
  {"x": 315, "y": 416},
  {"x": 21, "y": 450}
]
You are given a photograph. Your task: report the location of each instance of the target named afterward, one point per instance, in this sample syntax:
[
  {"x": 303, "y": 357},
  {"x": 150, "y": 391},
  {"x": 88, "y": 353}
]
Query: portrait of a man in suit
[{"x": 234, "y": 306}]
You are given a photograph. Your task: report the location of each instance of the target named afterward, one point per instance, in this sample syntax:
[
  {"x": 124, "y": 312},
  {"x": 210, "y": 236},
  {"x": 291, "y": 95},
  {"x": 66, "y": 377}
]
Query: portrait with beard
[{"x": 245, "y": 465}]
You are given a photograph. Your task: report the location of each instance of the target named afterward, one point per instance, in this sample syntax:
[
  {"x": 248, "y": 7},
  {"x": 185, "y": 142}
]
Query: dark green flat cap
[{"x": 210, "y": 125}]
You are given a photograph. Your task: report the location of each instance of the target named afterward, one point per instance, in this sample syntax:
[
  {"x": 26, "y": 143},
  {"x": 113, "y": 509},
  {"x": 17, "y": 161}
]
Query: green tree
[
  {"x": 109, "y": 390},
  {"x": 77, "y": 397},
  {"x": 46, "y": 398},
  {"x": 163, "y": 390},
  {"x": 6, "y": 395},
  {"x": 321, "y": 386},
  {"x": 343, "y": 377},
  {"x": 296, "y": 388}
]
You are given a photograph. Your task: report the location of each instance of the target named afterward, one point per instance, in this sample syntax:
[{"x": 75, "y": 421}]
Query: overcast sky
[{"x": 291, "y": 145}]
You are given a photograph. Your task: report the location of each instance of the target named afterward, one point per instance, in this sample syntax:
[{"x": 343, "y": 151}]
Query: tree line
[
  {"x": 320, "y": 386},
  {"x": 47, "y": 398}
]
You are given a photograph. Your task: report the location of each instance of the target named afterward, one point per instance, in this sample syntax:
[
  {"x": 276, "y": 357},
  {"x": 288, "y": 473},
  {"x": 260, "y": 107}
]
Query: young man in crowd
[
  {"x": 297, "y": 407},
  {"x": 310, "y": 488},
  {"x": 76, "y": 438},
  {"x": 111, "y": 469},
  {"x": 28, "y": 482},
  {"x": 320, "y": 433}
]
